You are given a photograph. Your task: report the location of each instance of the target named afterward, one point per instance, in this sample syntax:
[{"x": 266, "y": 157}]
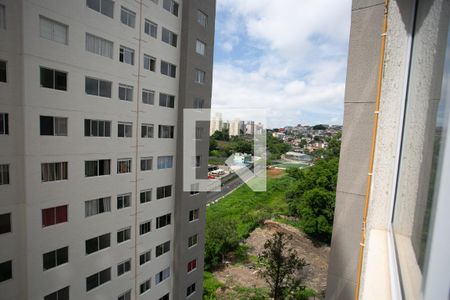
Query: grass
[
  {"x": 210, "y": 286},
  {"x": 247, "y": 209}
]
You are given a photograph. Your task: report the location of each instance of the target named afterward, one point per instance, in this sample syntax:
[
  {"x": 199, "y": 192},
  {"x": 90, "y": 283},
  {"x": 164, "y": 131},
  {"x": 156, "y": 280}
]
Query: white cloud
[{"x": 299, "y": 71}]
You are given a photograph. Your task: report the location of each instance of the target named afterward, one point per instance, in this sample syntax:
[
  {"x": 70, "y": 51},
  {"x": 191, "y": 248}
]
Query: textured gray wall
[
  {"x": 189, "y": 90},
  {"x": 359, "y": 106}
]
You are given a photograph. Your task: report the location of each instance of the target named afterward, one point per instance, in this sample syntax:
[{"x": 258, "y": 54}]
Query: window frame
[
  {"x": 55, "y": 126},
  {"x": 125, "y": 92},
  {"x": 123, "y": 267},
  {"x": 126, "y": 55},
  {"x": 145, "y": 134},
  {"x": 202, "y": 46},
  {"x": 146, "y": 163},
  {"x": 99, "y": 45},
  {"x": 100, "y": 10},
  {"x": 3, "y": 71},
  {"x": 124, "y": 163},
  {"x": 123, "y": 201},
  {"x": 98, "y": 276},
  {"x": 130, "y": 17},
  {"x": 99, "y": 83},
  {"x": 150, "y": 61},
  {"x": 127, "y": 129},
  {"x": 152, "y": 28},
  {"x": 5, "y": 174},
  {"x": 98, "y": 124},
  {"x": 57, "y": 261},
  {"x": 55, "y": 73},
  {"x": 142, "y": 227},
  {"x": 148, "y": 92},
  {"x": 53, "y": 23},
  {"x": 98, "y": 167}
]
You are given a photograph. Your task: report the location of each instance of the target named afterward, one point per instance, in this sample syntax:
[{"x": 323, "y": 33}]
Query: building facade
[
  {"x": 92, "y": 94},
  {"x": 390, "y": 233}
]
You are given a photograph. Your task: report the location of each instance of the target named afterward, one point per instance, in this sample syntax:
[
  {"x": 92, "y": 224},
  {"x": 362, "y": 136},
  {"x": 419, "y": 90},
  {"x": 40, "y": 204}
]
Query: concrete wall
[
  {"x": 359, "y": 106},
  {"x": 189, "y": 90}
]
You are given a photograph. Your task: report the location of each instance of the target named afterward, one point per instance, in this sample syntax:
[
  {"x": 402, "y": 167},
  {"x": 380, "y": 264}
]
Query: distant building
[
  {"x": 236, "y": 127},
  {"x": 250, "y": 127},
  {"x": 216, "y": 123}
]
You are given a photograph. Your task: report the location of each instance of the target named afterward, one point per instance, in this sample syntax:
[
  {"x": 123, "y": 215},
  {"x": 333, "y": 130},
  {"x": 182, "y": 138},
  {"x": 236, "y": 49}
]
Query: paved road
[{"x": 228, "y": 187}]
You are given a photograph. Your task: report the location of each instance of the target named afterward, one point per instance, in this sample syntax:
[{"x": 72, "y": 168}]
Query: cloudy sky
[{"x": 288, "y": 56}]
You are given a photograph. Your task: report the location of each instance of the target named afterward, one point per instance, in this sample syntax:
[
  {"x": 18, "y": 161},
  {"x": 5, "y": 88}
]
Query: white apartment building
[
  {"x": 237, "y": 127},
  {"x": 92, "y": 94},
  {"x": 216, "y": 123}
]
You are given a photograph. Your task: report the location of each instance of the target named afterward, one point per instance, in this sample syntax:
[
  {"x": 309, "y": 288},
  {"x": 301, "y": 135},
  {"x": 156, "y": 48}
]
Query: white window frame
[
  {"x": 149, "y": 63},
  {"x": 200, "y": 17},
  {"x": 126, "y": 55},
  {"x": 125, "y": 92},
  {"x": 123, "y": 264},
  {"x": 126, "y": 234},
  {"x": 147, "y": 162},
  {"x": 130, "y": 17},
  {"x": 200, "y": 47},
  {"x": 4, "y": 174},
  {"x": 192, "y": 241},
  {"x": 126, "y": 163},
  {"x": 147, "y": 127},
  {"x": 53, "y": 26},
  {"x": 147, "y": 92},
  {"x": 152, "y": 28},
  {"x": 147, "y": 257},
  {"x": 123, "y": 201},
  {"x": 169, "y": 37},
  {"x": 127, "y": 129},
  {"x": 200, "y": 76},
  {"x": 99, "y": 46},
  {"x": 92, "y": 207}
]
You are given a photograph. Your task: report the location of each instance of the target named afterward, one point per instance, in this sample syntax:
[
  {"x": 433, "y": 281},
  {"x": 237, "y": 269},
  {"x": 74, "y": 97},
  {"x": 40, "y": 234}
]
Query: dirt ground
[
  {"x": 316, "y": 256},
  {"x": 275, "y": 173}
]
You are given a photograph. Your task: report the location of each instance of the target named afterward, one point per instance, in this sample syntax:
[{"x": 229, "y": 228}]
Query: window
[
  {"x": 62, "y": 294},
  {"x": 165, "y": 162},
  {"x": 162, "y": 221},
  {"x": 5, "y": 270},
  {"x": 193, "y": 215},
  {"x": 150, "y": 28},
  {"x": 5, "y": 223},
  {"x": 145, "y": 257},
  {"x": 148, "y": 96},
  {"x": 161, "y": 276},
  {"x": 165, "y": 131},
  {"x": 98, "y": 87},
  {"x": 192, "y": 240},
  {"x": 147, "y": 130},
  {"x": 163, "y": 192},
  {"x": 196, "y": 161},
  {"x": 52, "y": 30},
  {"x": 123, "y": 235},
  {"x": 169, "y": 37},
  {"x": 4, "y": 124},
  {"x": 55, "y": 126},
  {"x": 126, "y": 55},
  {"x": 98, "y": 279},
  {"x": 55, "y": 258},
  {"x": 97, "y": 128},
  {"x": 199, "y": 133},
  {"x": 99, "y": 167},
  {"x": 98, "y": 243},
  {"x": 199, "y": 103},
  {"x": 105, "y": 7},
  {"x": 4, "y": 174},
  {"x": 54, "y": 215},
  {"x": 202, "y": 18},
  {"x": 163, "y": 248},
  {"x": 124, "y": 166},
  {"x": 145, "y": 227},
  {"x": 124, "y": 267},
  {"x": 98, "y": 45},
  {"x": 53, "y": 171},
  {"x": 200, "y": 76},
  {"x": 190, "y": 290},
  {"x": 192, "y": 265},
  {"x": 166, "y": 100},
  {"x": 165, "y": 297},
  {"x": 200, "y": 47},
  {"x": 146, "y": 196},
  {"x": 145, "y": 286},
  {"x": 125, "y": 296},
  {"x": 53, "y": 79},
  {"x": 124, "y": 129},
  {"x": 123, "y": 201},
  {"x": 194, "y": 189},
  {"x": 171, "y": 6},
  {"x": 2, "y": 71},
  {"x": 168, "y": 69},
  {"x": 146, "y": 163},
  {"x": 97, "y": 206},
  {"x": 149, "y": 63},
  {"x": 127, "y": 16},
  {"x": 125, "y": 92},
  {"x": 2, "y": 17}
]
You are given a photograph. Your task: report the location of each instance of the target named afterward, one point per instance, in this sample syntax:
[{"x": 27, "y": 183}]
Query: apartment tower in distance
[{"x": 92, "y": 94}]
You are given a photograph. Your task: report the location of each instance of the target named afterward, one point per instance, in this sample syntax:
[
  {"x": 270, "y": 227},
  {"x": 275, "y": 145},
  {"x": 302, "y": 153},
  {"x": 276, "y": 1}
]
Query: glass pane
[{"x": 421, "y": 146}]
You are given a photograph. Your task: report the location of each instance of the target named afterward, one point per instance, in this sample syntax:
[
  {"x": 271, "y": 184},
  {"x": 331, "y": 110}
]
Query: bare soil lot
[{"x": 246, "y": 275}]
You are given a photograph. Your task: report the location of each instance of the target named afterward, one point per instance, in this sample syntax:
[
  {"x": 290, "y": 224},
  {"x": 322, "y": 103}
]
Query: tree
[
  {"x": 281, "y": 266},
  {"x": 220, "y": 237}
]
